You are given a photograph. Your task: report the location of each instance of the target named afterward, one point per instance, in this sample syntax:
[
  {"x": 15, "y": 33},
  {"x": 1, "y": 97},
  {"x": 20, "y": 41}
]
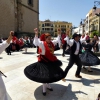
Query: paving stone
[{"x": 21, "y": 88}]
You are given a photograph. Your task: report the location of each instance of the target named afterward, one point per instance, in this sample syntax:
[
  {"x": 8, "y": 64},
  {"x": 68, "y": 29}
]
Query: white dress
[{"x": 3, "y": 93}]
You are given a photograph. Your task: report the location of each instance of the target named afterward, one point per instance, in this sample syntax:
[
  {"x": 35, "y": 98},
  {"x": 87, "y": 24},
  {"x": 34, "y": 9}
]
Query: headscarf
[{"x": 44, "y": 36}]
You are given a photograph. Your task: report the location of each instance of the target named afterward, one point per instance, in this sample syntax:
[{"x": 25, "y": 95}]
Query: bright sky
[{"x": 65, "y": 10}]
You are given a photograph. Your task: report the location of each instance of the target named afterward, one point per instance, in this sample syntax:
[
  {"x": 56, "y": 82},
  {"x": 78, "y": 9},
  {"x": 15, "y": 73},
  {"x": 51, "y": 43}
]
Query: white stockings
[{"x": 46, "y": 85}]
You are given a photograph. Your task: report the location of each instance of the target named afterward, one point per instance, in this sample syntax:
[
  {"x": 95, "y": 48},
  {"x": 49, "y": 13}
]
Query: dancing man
[{"x": 75, "y": 47}]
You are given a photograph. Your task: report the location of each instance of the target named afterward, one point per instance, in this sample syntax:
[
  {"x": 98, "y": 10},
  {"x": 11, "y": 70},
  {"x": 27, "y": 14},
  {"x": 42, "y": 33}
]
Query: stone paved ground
[{"x": 21, "y": 88}]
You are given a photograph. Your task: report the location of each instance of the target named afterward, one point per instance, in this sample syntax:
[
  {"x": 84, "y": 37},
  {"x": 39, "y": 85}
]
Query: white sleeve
[
  {"x": 92, "y": 50},
  {"x": 57, "y": 40},
  {"x": 39, "y": 43},
  {"x": 3, "y": 46},
  {"x": 69, "y": 42},
  {"x": 82, "y": 40}
]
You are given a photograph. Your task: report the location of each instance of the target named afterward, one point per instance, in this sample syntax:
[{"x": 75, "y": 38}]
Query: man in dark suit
[{"x": 75, "y": 46}]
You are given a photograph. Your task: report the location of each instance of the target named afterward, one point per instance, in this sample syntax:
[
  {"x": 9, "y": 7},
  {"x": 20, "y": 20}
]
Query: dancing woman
[
  {"x": 88, "y": 58},
  {"x": 47, "y": 69},
  {"x": 98, "y": 98},
  {"x": 5, "y": 44}
]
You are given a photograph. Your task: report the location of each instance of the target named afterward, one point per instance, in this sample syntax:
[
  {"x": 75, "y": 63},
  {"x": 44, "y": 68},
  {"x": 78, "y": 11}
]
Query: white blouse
[
  {"x": 3, "y": 46},
  {"x": 39, "y": 43},
  {"x": 71, "y": 41}
]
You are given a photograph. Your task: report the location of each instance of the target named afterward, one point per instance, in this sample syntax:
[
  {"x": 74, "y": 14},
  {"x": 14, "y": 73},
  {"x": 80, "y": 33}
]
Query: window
[
  {"x": 51, "y": 25},
  {"x": 51, "y": 29},
  {"x": 55, "y": 30},
  {"x": 42, "y": 25},
  {"x": 47, "y": 24},
  {"x": 42, "y": 29},
  {"x": 55, "y": 25},
  {"x": 30, "y": 2},
  {"x": 96, "y": 27}
]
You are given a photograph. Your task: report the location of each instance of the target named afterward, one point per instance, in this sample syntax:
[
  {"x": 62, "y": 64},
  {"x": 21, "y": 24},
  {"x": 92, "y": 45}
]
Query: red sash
[{"x": 48, "y": 54}]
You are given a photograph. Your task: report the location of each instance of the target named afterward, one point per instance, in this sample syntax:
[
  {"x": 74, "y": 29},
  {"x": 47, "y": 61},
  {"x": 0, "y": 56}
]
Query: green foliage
[
  {"x": 70, "y": 35},
  {"x": 94, "y": 33}
]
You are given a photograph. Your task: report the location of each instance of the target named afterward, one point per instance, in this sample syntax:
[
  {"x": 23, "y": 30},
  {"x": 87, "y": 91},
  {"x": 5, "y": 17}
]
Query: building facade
[
  {"x": 63, "y": 26},
  {"x": 46, "y": 26},
  {"x": 94, "y": 20},
  {"x": 53, "y": 26},
  {"x": 86, "y": 23},
  {"x": 19, "y": 16},
  {"x": 75, "y": 30}
]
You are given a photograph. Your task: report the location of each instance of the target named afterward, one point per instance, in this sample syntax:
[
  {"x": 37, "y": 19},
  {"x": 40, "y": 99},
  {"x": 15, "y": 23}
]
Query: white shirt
[
  {"x": 71, "y": 41},
  {"x": 39, "y": 43},
  {"x": 77, "y": 48},
  {"x": 3, "y": 46}
]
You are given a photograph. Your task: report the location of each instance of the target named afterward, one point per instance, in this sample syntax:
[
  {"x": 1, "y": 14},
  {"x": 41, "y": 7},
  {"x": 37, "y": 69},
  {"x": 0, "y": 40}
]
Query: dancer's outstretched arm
[{"x": 6, "y": 43}]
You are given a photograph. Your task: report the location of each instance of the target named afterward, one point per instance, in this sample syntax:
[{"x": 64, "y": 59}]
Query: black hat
[
  {"x": 75, "y": 35},
  {"x": 79, "y": 35},
  {"x": 88, "y": 40}
]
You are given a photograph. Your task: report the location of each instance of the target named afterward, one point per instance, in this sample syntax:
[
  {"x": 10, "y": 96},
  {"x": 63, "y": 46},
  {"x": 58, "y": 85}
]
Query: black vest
[{"x": 73, "y": 48}]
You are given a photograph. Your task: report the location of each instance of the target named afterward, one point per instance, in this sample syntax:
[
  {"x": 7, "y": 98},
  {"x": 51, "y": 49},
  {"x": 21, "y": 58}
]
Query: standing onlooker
[
  {"x": 83, "y": 36},
  {"x": 96, "y": 47},
  {"x": 87, "y": 36},
  {"x": 31, "y": 42},
  {"x": 8, "y": 49},
  {"x": 64, "y": 44},
  {"x": 26, "y": 43}
]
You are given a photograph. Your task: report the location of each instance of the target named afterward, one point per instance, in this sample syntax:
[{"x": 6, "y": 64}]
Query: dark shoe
[
  {"x": 90, "y": 71},
  {"x": 84, "y": 68},
  {"x": 50, "y": 89},
  {"x": 44, "y": 93},
  {"x": 78, "y": 76},
  {"x": 63, "y": 55}
]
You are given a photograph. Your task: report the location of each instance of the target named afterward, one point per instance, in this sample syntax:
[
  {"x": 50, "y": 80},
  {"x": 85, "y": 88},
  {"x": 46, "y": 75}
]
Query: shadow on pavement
[
  {"x": 1, "y": 58},
  {"x": 56, "y": 54},
  {"x": 12, "y": 54},
  {"x": 28, "y": 53},
  {"x": 71, "y": 95},
  {"x": 9, "y": 98},
  {"x": 56, "y": 94},
  {"x": 96, "y": 71},
  {"x": 59, "y": 92},
  {"x": 86, "y": 82}
]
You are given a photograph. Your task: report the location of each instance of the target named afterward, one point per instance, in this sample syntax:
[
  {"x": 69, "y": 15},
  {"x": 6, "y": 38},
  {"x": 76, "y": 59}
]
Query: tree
[{"x": 94, "y": 33}]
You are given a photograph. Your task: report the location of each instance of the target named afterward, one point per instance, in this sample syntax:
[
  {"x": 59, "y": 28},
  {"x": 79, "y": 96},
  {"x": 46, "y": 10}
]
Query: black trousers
[
  {"x": 37, "y": 49},
  {"x": 8, "y": 49},
  {"x": 74, "y": 59},
  {"x": 64, "y": 48}
]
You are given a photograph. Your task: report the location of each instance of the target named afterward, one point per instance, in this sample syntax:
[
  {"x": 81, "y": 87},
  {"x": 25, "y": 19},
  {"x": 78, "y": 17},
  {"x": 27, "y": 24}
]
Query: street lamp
[
  {"x": 96, "y": 3},
  {"x": 71, "y": 29},
  {"x": 82, "y": 25}
]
